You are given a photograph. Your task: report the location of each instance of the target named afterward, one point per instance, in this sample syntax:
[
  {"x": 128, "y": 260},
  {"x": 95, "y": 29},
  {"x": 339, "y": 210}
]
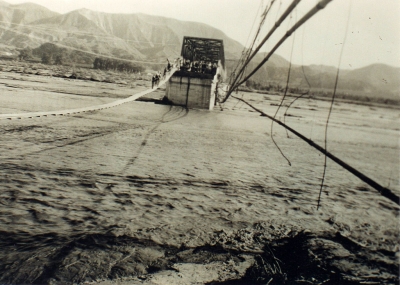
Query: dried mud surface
[{"x": 147, "y": 193}]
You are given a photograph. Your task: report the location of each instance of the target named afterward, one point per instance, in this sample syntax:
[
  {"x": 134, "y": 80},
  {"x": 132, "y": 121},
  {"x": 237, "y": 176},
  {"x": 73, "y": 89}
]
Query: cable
[
  {"x": 262, "y": 22},
  {"x": 321, "y": 5},
  {"x": 285, "y": 114},
  {"x": 277, "y": 24},
  {"x": 332, "y": 101},
  {"x": 252, "y": 26},
  {"x": 283, "y": 99},
  {"x": 385, "y": 192},
  {"x": 247, "y": 57},
  {"x": 85, "y": 109},
  {"x": 246, "y": 50},
  {"x": 305, "y": 77}
]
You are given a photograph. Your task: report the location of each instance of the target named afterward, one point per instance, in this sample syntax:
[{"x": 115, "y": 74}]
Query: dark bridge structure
[
  {"x": 202, "y": 49},
  {"x": 200, "y": 69}
]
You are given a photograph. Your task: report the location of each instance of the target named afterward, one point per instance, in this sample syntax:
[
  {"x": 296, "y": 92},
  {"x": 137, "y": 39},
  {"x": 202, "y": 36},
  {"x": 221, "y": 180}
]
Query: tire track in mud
[
  {"x": 33, "y": 125},
  {"x": 121, "y": 127},
  {"x": 152, "y": 130},
  {"x": 98, "y": 134},
  {"x": 81, "y": 139}
]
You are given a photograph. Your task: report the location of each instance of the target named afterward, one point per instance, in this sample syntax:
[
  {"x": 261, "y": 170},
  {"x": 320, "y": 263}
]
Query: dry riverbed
[{"x": 147, "y": 193}]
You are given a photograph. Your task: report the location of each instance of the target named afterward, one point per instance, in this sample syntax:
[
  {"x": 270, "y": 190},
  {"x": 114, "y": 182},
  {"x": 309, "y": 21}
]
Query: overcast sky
[{"x": 373, "y": 34}]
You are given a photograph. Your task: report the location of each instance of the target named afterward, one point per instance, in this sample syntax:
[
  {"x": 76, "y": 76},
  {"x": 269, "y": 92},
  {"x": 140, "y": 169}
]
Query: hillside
[
  {"x": 379, "y": 77},
  {"x": 142, "y": 36},
  {"x": 376, "y": 82},
  {"x": 87, "y": 34},
  {"x": 23, "y": 13}
]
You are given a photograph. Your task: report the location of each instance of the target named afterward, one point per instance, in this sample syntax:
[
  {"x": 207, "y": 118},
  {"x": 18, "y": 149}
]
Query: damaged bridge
[{"x": 201, "y": 69}]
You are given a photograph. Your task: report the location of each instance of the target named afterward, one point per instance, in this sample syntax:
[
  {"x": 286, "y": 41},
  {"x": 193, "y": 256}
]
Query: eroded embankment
[{"x": 265, "y": 254}]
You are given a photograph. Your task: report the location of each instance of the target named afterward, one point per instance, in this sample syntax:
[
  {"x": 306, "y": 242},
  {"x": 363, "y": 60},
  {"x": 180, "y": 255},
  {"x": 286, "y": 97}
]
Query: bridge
[
  {"x": 185, "y": 86},
  {"x": 85, "y": 109},
  {"x": 201, "y": 71}
]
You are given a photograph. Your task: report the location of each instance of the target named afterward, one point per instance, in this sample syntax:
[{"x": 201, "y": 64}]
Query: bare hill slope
[{"x": 154, "y": 38}]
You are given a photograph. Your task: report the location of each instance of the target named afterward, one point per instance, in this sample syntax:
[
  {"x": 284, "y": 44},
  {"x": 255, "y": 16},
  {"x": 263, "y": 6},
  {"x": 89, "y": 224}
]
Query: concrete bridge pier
[
  {"x": 194, "y": 86},
  {"x": 191, "y": 92}
]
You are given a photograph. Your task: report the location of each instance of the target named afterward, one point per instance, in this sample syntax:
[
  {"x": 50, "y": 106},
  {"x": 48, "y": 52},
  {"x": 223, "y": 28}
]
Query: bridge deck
[{"x": 86, "y": 109}]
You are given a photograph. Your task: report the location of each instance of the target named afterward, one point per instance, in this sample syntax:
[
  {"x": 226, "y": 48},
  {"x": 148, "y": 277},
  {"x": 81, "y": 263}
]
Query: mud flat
[{"x": 146, "y": 193}]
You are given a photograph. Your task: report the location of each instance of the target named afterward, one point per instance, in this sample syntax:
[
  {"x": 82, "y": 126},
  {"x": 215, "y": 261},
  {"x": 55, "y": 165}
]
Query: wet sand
[{"x": 155, "y": 194}]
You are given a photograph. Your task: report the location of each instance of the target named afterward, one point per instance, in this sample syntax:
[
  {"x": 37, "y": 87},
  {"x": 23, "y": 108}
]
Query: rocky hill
[
  {"x": 376, "y": 82},
  {"x": 23, "y": 13},
  {"x": 378, "y": 77},
  {"x": 153, "y": 38},
  {"x": 142, "y": 36}
]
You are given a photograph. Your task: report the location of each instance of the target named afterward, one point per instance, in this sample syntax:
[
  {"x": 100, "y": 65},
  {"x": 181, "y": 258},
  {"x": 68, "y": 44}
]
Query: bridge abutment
[{"x": 191, "y": 92}]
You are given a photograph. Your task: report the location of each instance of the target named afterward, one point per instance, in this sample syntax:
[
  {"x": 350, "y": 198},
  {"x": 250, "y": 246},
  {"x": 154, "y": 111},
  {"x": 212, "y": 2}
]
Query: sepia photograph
[{"x": 215, "y": 142}]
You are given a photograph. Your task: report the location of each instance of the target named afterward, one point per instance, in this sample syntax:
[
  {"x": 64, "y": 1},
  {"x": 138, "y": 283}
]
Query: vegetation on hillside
[
  {"x": 378, "y": 83},
  {"x": 152, "y": 38},
  {"x": 72, "y": 72},
  {"x": 116, "y": 65},
  {"x": 50, "y": 53}
]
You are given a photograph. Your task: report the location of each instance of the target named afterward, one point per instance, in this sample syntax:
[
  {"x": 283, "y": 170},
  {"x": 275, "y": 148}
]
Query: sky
[{"x": 364, "y": 31}]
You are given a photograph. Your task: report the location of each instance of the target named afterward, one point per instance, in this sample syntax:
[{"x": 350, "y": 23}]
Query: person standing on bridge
[
  {"x": 214, "y": 68},
  {"x": 156, "y": 78},
  {"x": 178, "y": 63},
  {"x": 168, "y": 65}
]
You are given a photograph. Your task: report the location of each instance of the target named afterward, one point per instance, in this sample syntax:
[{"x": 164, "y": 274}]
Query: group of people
[
  {"x": 155, "y": 80},
  {"x": 201, "y": 66}
]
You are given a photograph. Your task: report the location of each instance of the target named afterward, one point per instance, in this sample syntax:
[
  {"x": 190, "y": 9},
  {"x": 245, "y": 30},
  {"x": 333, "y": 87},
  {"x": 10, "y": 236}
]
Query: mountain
[
  {"x": 378, "y": 76},
  {"x": 87, "y": 34},
  {"x": 139, "y": 35},
  {"x": 376, "y": 82},
  {"x": 23, "y": 13},
  {"x": 13, "y": 18}
]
